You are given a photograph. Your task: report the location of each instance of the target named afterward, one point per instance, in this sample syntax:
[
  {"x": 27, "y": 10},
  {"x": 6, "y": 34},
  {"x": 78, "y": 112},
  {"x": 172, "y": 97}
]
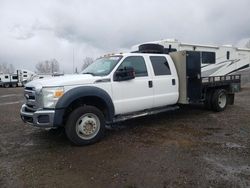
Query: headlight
[{"x": 51, "y": 96}]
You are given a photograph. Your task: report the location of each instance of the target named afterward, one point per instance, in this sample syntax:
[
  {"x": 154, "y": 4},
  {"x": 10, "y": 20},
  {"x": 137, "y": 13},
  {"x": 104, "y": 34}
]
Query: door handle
[
  {"x": 150, "y": 83},
  {"x": 173, "y": 82}
]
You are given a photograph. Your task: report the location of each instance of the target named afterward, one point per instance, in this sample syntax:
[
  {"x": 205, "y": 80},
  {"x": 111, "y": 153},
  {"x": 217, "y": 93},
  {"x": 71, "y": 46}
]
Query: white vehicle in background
[
  {"x": 8, "y": 80},
  {"x": 24, "y": 76},
  {"x": 229, "y": 59},
  {"x": 13, "y": 80}
]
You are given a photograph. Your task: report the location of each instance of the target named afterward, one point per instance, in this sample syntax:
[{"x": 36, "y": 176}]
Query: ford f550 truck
[{"x": 124, "y": 86}]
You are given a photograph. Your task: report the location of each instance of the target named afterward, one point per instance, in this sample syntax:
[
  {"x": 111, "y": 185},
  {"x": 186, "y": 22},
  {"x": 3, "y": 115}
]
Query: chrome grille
[{"x": 31, "y": 100}]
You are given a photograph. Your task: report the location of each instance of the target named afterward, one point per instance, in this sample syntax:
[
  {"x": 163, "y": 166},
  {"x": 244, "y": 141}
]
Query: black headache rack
[
  {"x": 231, "y": 81},
  {"x": 193, "y": 88}
]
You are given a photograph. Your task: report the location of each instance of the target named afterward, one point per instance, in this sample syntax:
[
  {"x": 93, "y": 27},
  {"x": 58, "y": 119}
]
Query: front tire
[
  {"x": 219, "y": 100},
  {"x": 85, "y": 125}
]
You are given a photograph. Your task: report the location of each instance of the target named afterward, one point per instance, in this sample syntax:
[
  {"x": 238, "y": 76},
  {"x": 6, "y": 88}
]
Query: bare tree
[
  {"x": 11, "y": 69},
  {"x": 86, "y": 62},
  {"x": 248, "y": 44},
  {"x": 3, "y": 68},
  {"x": 7, "y": 68},
  {"x": 48, "y": 66}
]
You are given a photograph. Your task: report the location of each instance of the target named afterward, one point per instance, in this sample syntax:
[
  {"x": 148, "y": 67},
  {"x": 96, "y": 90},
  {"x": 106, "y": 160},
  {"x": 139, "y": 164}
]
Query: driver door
[{"x": 135, "y": 94}]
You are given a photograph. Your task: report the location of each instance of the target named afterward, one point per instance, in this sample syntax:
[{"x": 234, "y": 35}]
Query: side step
[{"x": 124, "y": 117}]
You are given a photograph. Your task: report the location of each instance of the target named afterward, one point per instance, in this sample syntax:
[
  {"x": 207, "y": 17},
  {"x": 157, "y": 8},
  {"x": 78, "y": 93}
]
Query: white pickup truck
[{"x": 123, "y": 86}]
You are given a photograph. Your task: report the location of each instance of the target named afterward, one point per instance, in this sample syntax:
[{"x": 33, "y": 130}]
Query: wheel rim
[
  {"x": 222, "y": 101},
  {"x": 87, "y": 126}
]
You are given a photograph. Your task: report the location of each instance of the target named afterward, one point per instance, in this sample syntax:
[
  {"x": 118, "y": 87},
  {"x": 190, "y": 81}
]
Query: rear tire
[
  {"x": 219, "y": 100},
  {"x": 85, "y": 125}
]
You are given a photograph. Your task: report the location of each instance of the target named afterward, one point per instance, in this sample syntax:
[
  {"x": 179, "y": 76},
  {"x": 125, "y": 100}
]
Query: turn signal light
[{"x": 58, "y": 93}]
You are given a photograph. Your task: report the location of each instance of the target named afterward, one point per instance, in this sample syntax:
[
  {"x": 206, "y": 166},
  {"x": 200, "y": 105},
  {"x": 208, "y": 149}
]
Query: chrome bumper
[{"x": 40, "y": 118}]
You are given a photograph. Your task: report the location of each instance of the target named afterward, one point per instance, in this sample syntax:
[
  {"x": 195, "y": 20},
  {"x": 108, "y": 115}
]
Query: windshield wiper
[{"x": 89, "y": 73}]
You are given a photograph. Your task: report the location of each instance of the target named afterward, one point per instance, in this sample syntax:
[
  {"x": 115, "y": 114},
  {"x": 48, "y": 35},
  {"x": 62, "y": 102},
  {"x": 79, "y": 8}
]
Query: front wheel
[{"x": 85, "y": 125}]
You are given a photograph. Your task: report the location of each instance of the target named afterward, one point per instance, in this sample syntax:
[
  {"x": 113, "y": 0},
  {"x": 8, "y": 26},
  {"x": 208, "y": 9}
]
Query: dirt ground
[{"x": 191, "y": 147}]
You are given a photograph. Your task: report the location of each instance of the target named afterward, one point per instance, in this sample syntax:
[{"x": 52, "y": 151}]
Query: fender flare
[{"x": 86, "y": 91}]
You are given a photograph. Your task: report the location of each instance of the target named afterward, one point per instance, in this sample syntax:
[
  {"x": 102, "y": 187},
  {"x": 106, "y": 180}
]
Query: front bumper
[{"x": 40, "y": 118}]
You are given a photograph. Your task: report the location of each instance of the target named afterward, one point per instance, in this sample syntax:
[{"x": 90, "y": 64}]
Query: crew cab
[{"x": 123, "y": 86}]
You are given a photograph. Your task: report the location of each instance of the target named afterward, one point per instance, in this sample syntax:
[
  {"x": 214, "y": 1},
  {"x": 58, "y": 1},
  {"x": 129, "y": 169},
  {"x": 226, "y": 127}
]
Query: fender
[{"x": 86, "y": 91}]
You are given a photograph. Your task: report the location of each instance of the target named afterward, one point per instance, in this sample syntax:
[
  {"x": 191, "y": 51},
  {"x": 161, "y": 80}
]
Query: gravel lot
[{"x": 190, "y": 147}]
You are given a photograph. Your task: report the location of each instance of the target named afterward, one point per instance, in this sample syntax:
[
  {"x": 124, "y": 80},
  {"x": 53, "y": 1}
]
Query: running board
[{"x": 124, "y": 117}]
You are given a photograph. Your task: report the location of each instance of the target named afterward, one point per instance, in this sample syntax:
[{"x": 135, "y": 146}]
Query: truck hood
[{"x": 77, "y": 79}]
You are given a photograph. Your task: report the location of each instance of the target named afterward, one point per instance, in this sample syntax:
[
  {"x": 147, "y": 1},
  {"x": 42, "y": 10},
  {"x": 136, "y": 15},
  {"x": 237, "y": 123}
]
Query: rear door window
[{"x": 160, "y": 65}]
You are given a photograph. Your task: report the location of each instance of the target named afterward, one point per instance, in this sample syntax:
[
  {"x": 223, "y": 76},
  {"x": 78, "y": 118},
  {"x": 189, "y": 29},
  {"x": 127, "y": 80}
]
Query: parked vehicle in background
[
  {"x": 20, "y": 78},
  {"x": 24, "y": 76},
  {"x": 8, "y": 80},
  {"x": 228, "y": 59},
  {"x": 124, "y": 86}
]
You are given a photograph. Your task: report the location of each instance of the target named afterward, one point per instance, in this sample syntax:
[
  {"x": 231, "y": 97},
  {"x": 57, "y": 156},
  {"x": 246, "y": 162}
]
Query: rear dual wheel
[
  {"x": 216, "y": 100},
  {"x": 219, "y": 100}
]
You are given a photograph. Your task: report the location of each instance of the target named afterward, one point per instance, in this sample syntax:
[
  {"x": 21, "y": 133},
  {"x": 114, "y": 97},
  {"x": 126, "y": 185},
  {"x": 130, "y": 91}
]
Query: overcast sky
[{"x": 33, "y": 31}]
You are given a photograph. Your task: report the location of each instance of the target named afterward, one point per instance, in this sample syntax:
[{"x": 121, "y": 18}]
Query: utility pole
[
  {"x": 73, "y": 59},
  {"x": 52, "y": 67}
]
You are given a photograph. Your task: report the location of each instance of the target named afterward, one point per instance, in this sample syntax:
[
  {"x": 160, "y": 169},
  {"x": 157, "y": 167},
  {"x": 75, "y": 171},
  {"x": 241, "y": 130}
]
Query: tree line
[
  {"x": 7, "y": 68},
  {"x": 50, "y": 66}
]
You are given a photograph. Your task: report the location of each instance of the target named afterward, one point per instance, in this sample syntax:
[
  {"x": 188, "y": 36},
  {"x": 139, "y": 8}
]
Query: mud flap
[{"x": 230, "y": 99}]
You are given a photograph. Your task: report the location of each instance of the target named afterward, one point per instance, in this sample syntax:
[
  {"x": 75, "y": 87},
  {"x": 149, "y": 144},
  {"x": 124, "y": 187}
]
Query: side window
[
  {"x": 228, "y": 55},
  {"x": 24, "y": 76},
  {"x": 160, "y": 65},
  {"x": 6, "y": 77},
  {"x": 138, "y": 63}
]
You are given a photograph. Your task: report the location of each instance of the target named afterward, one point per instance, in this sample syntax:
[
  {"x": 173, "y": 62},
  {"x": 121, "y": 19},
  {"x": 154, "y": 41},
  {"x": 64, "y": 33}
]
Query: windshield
[{"x": 102, "y": 66}]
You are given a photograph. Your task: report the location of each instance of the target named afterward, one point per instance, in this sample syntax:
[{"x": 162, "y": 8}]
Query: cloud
[
  {"x": 20, "y": 32},
  {"x": 32, "y": 31}
]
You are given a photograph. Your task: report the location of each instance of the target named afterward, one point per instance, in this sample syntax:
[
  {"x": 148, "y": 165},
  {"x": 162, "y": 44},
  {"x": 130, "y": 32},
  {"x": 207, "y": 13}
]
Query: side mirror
[{"x": 127, "y": 73}]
